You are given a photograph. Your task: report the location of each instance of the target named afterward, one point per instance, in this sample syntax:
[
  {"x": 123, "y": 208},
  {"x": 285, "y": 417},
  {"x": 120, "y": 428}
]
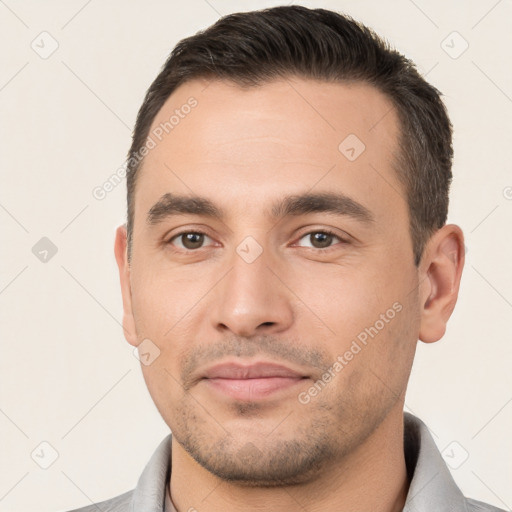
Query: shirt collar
[
  {"x": 431, "y": 485},
  {"x": 149, "y": 494}
]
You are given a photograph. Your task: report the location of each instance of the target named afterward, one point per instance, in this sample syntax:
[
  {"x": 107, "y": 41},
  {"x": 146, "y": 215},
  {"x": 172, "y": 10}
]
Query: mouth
[{"x": 251, "y": 382}]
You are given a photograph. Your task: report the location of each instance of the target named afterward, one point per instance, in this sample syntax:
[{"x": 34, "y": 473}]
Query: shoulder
[
  {"x": 149, "y": 493},
  {"x": 479, "y": 506},
  {"x": 121, "y": 503}
]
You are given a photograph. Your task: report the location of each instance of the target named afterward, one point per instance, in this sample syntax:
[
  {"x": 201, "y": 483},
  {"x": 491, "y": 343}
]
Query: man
[{"x": 286, "y": 247}]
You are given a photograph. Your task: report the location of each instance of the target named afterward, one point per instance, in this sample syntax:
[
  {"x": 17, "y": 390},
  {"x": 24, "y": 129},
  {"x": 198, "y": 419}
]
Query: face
[{"x": 272, "y": 273}]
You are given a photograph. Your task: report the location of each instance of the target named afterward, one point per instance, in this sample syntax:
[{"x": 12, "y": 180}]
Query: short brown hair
[{"x": 253, "y": 48}]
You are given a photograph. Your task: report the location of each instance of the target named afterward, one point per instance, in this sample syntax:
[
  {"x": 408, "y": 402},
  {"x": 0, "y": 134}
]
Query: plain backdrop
[{"x": 72, "y": 394}]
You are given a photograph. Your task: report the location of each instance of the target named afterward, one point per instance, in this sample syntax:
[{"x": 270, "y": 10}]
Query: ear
[
  {"x": 121, "y": 253},
  {"x": 440, "y": 274}
]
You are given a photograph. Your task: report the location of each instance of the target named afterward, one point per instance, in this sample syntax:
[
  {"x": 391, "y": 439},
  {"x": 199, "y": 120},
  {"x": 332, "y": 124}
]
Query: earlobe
[
  {"x": 440, "y": 280},
  {"x": 120, "y": 251}
]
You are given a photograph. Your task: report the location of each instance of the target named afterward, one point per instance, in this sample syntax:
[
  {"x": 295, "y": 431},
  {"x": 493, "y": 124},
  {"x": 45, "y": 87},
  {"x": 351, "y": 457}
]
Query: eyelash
[{"x": 323, "y": 231}]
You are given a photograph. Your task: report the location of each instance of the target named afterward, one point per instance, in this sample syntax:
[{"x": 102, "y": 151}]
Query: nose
[{"x": 251, "y": 299}]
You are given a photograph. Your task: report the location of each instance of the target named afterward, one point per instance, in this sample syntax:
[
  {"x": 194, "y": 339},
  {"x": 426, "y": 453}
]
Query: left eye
[
  {"x": 189, "y": 240},
  {"x": 320, "y": 239}
]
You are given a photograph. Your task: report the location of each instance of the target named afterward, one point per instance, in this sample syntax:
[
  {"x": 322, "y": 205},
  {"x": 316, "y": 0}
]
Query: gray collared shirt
[{"x": 432, "y": 487}]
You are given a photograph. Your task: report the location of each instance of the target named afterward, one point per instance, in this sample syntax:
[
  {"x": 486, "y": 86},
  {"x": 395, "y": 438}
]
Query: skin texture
[{"x": 299, "y": 303}]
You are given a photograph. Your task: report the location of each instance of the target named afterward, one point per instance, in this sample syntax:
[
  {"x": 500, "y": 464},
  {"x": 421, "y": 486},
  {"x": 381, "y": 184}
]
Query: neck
[{"x": 373, "y": 477}]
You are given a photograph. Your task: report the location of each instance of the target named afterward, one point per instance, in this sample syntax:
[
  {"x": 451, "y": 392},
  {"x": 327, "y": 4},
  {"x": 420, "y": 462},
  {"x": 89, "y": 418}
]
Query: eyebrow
[{"x": 327, "y": 202}]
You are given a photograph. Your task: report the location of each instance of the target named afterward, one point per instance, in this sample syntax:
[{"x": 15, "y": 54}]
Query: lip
[
  {"x": 256, "y": 381},
  {"x": 257, "y": 370}
]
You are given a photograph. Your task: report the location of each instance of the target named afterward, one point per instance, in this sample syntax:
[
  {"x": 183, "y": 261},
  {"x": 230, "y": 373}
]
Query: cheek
[
  {"x": 168, "y": 306},
  {"x": 163, "y": 386},
  {"x": 365, "y": 316},
  {"x": 340, "y": 299},
  {"x": 374, "y": 360},
  {"x": 161, "y": 297}
]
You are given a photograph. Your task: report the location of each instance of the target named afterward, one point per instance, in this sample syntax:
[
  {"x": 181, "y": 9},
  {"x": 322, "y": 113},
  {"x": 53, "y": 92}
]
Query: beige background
[{"x": 68, "y": 377}]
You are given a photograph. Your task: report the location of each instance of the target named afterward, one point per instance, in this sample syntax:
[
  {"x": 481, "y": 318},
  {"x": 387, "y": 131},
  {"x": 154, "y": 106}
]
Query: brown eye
[
  {"x": 320, "y": 239},
  {"x": 189, "y": 240}
]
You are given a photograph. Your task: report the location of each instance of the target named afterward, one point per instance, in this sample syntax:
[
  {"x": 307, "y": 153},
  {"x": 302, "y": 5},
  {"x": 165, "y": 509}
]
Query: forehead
[{"x": 215, "y": 138}]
